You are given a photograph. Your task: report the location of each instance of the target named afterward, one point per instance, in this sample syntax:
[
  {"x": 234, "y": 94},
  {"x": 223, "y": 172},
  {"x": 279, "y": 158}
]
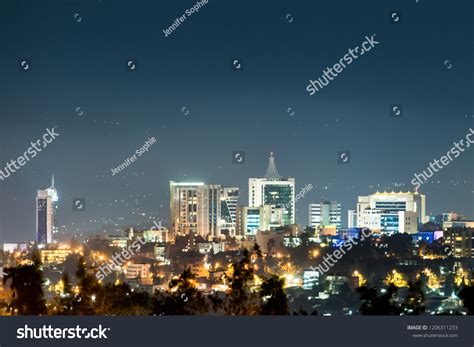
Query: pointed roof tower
[{"x": 272, "y": 172}]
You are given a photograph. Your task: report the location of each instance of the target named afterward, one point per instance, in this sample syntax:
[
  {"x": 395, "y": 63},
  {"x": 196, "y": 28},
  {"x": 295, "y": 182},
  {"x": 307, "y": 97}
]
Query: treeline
[{"x": 243, "y": 297}]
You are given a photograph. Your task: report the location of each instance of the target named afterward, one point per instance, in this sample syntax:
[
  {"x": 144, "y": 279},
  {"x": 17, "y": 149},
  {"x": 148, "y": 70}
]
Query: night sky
[{"x": 78, "y": 81}]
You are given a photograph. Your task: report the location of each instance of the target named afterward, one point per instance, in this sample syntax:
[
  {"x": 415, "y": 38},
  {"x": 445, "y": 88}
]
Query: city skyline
[
  {"x": 271, "y": 175},
  {"x": 185, "y": 91}
]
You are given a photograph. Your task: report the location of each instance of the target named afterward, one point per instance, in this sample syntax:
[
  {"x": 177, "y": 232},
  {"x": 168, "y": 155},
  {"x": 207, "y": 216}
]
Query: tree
[
  {"x": 400, "y": 245},
  {"x": 121, "y": 300},
  {"x": 467, "y": 296},
  {"x": 182, "y": 297},
  {"x": 241, "y": 301},
  {"x": 273, "y": 300},
  {"x": 26, "y": 283},
  {"x": 414, "y": 303},
  {"x": 87, "y": 290},
  {"x": 270, "y": 247},
  {"x": 65, "y": 301},
  {"x": 373, "y": 304}
]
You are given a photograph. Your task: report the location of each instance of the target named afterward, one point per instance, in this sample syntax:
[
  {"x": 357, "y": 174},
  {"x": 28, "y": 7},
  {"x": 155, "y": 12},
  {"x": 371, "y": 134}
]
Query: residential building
[{"x": 460, "y": 241}]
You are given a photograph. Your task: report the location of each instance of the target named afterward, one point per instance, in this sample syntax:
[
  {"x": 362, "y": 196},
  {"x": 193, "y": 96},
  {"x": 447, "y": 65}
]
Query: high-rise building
[
  {"x": 325, "y": 213},
  {"x": 209, "y": 210},
  {"x": 229, "y": 201},
  {"x": 202, "y": 209},
  {"x": 184, "y": 207},
  {"x": 391, "y": 212},
  {"x": 275, "y": 191},
  {"x": 252, "y": 219},
  {"x": 46, "y": 207}
]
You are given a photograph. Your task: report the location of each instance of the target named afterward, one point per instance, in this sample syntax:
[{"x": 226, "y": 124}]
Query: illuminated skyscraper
[
  {"x": 274, "y": 190},
  {"x": 46, "y": 207},
  {"x": 183, "y": 207},
  {"x": 202, "y": 209}
]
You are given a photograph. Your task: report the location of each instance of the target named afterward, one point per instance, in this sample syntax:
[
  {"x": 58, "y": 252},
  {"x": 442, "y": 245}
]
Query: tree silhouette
[
  {"x": 120, "y": 299},
  {"x": 399, "y": 245},
  {"x": 182, "y": 297},
  {"x": 414, "y": 303},
  {"x": 273, "y": 300},
  {"x": 26, "y": 283},
  {"x": 241, "y": 301},
  {"x": 88, "y": 288},
  {"x": 63, "y": 303},
  {"x": 373, "y": 304},
  {"x": 467, "y": 296}
]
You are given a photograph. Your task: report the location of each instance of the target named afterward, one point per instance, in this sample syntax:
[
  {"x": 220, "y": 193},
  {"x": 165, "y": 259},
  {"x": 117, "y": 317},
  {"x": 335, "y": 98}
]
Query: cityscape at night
[
  {"x": 235, "y": 166},
  {"x": 218, "y": 256}
]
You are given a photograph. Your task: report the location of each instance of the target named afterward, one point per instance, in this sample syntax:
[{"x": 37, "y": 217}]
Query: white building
[
  {"x": 325, "y": 214},
  {"x": 390, "y": 212},
  {"x": 351, "y": 219},
  {"x": 275, "y": 191},
  {"x": 46, "y": 206}
]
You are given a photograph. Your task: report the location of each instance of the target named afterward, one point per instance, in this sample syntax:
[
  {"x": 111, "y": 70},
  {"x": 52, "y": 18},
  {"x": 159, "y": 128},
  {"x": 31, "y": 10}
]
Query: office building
[
  {"x": 351, "y": 219},
  {"x": 229, "y": 200},
  {"x": 251, "y": 219},
  {"x": 46, "y": 207},
  {"x": 184, "y": 207},
  {"x": 389, "y": 213},
  {"x": 209, "y": 210},
  {"x": 276, "y": 191},
  {"x": 197, "y": 208},
  {"x": 325, "y": 214}
]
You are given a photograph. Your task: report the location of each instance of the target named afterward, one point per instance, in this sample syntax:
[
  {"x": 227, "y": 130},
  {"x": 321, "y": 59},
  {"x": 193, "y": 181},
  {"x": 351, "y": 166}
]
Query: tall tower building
[
  {"x": 46, "y": 207},
  {"x": 184, "y": 207},
  {"x": 202, "y": 209},
  {"x": 274, "y": 190},
  {"x": 209, "y": 210},
  {"x": 325, "y": 213}
]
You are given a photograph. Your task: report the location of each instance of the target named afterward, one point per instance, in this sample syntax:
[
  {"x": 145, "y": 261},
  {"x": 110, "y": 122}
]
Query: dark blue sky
[{"x": 83, "y": 64}]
